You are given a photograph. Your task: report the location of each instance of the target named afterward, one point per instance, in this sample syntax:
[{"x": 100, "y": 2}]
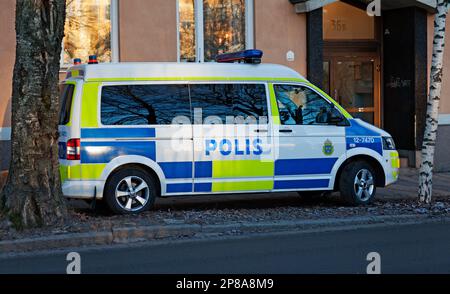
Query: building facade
[{"x": 377, "y": 67}]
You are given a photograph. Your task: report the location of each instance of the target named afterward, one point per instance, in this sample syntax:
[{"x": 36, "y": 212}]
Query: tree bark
[
  {"x": 429, "y": 141},
  {"x": 32, "y": 195}
]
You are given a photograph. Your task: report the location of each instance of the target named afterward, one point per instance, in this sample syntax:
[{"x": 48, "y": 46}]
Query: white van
[{"x": 131, "y": 132}]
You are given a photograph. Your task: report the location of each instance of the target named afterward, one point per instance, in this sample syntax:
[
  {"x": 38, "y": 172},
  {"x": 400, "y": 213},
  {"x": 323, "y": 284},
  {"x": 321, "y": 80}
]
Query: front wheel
[
  {"x": 130, "y": 191},
  {"x": 357, "y": 183}
]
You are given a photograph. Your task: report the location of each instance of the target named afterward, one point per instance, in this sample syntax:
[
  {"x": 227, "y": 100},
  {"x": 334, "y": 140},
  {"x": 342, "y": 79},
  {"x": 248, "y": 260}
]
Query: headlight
[{"x": 388, "y": 143}]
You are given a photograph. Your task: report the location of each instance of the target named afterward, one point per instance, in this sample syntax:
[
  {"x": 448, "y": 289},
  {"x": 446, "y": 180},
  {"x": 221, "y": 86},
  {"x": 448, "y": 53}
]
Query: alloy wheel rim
[
  {"x": 132, "y": 193},
  {"x": 364, "y": 185}
]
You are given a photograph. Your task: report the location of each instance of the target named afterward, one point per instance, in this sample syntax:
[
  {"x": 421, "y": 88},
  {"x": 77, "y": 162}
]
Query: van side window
[
  {"x": 65, "y": 100},
  {"x": 144, "y": 104},
  {"x": 300, "y": 105},
  {"x": 230, "y": 103}
]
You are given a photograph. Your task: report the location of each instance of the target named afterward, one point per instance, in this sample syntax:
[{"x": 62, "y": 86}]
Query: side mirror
[{"x": 335, "y": 117}]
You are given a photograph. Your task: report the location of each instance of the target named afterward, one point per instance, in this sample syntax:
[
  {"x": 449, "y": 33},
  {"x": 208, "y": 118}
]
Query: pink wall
[
  {"x": 278, "y": 29},
  {"x": 7, "y": 58},
  {"x": 148, "y": 30}
]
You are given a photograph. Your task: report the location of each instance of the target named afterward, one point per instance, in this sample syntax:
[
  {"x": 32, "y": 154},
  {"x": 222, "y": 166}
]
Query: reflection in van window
[
  {"x": 302, "y": 106},
  {"x": 144, "y": 104},
  {"x": 65, "y": 101},
  {"x": 230, "y": 103}
]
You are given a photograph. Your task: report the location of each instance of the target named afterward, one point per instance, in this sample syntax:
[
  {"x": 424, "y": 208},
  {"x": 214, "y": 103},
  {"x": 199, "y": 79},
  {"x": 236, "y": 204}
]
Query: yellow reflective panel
[
  {"x": 242, "y": 186},
  {"x": 86, "y": 171},
  {"x": 395, "y": 159},
  {"x": 64, "y": 172},
  {"x": 243, "y": 169},
  {"x": 395, "y": 175},
  {"x": 274, "y": 106},
  {"x": 89, "y": 105}
]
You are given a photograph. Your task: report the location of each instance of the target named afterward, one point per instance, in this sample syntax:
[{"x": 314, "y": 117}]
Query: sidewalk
[{"x": 408, "y": 185}]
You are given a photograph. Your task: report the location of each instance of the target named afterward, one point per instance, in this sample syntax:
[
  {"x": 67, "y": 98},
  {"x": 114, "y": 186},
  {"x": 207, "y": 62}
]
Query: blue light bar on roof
[{"x": 248, "y": 56}]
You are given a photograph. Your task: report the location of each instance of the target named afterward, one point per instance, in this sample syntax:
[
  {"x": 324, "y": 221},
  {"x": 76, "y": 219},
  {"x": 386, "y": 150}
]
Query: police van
[{"x": 131, "y": 132}]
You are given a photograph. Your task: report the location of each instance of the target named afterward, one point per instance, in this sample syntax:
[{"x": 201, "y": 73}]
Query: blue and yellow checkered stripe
[
  {"x": 253, "y": 175},
  {"x": 199, "y": 177}
]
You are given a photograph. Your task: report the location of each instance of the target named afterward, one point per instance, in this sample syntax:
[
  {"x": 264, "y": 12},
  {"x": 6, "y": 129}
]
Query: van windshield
[{"x": 65, "y": 103}]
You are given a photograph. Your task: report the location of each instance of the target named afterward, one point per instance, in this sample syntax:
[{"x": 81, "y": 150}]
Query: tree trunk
[
  {"x": 429, "y": 141},
  {"x": 32, "y": 195}
]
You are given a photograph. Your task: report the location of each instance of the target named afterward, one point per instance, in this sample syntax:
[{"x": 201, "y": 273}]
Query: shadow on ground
[{"x": 225, "y": 202}]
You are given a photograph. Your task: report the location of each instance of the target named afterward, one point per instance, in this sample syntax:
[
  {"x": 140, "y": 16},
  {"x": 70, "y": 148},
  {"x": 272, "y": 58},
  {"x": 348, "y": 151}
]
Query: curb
[{"x": 147, "y": 233}]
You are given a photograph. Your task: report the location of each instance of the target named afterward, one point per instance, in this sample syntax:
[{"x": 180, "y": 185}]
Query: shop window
[
  {"x": 211, "y": 27},
  {"x": 89, "y": 30}
]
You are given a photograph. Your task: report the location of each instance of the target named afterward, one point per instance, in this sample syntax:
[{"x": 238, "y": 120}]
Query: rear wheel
[
  {"x": 357, "y": 183},
  {"x": 130, "y": 191}
]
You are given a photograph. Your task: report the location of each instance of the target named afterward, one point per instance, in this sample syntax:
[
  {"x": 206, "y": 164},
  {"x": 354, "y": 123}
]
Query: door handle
[
  {"x": 261, "y": 131},
  {"x": 285, "y": 131}
]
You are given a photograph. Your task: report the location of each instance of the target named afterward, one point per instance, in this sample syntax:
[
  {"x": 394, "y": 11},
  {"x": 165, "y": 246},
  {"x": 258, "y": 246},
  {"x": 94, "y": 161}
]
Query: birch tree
[
  {"x": 32, "y": 195},
  {"x": 434, "y": 97}
]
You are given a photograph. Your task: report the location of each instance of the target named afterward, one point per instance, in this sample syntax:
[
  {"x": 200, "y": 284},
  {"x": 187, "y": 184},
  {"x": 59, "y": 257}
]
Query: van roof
[{"x": 181, "y": 71}]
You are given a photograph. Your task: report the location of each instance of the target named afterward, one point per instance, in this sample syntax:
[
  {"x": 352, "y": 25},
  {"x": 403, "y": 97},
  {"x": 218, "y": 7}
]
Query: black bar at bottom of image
[{"x": 207, "y": 283}]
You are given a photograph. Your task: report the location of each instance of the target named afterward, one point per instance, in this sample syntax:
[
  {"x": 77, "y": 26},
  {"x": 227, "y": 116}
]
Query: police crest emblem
[{"x": 328, "y": 148}]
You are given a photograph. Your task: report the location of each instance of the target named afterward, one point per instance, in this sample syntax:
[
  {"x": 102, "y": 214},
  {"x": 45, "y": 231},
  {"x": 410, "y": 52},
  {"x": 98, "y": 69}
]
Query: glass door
[{"x": 354, "y": 81}]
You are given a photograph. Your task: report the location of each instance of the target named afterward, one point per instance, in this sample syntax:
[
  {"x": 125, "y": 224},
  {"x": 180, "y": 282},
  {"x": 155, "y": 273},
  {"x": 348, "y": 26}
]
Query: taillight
[{"x": 73, "y": 149}]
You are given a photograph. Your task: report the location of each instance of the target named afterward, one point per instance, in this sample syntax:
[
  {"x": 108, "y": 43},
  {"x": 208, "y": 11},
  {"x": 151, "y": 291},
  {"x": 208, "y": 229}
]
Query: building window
[
  {"x": 187, "y": 30},
  {"x": 89, "y": 29},
  {"x": 211, "y": 27}
]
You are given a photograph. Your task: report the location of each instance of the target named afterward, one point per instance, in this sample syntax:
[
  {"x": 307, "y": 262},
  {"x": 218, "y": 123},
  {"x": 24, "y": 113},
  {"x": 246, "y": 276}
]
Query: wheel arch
[
  {"x": 149, "y": 166},
  {"x": 380, "y": 175}
]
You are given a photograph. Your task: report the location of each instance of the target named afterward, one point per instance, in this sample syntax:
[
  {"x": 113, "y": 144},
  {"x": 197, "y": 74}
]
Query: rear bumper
[{"x": 83, "y": 189}]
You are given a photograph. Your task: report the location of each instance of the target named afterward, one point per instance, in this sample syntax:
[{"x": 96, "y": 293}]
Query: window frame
[
  {"x": 344, "y": 123},
  {"x": 114, "y": 14},
  {"x": 188, "y": 83},
  {"x": 199, "y": 29}
]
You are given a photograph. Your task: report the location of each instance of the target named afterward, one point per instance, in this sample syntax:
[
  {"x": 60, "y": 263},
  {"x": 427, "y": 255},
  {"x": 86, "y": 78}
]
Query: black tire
[
  {"x": 350, "y": 188},
  {"x": 101, "y": 207},
  {"x": 141, "y": 200}
]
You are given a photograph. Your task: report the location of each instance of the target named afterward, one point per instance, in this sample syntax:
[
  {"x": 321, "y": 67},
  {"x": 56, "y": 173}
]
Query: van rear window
[{"x": 66, "y": 103}]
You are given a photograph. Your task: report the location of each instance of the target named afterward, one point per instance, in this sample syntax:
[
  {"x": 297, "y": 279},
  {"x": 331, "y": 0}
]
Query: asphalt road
[{"x": 421, "y": 248}]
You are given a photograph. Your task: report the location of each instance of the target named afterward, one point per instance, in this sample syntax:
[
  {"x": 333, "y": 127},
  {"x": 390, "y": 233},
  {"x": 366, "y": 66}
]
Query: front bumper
[{"x": 391, "y": 166}]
